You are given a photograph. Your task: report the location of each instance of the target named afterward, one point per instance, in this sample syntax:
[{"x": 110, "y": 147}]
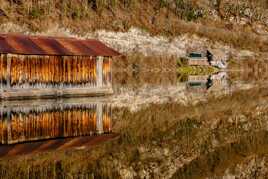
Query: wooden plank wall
[
  {"x": 51, "y": 71},
  {"x": 70, "y": 122},
  {"x": 107, "y": 72}
]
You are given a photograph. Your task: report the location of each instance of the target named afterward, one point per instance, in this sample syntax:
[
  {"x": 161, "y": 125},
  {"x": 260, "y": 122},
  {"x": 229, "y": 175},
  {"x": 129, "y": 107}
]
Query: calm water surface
[{"x": 230, "y": 142}]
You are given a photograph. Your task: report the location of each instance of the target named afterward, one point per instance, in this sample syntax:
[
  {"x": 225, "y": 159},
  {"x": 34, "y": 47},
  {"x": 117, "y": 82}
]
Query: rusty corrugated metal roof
[{"x": 41, "y": 45}]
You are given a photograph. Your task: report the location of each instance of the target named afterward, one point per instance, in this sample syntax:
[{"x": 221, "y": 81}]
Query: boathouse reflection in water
[{"x": 25, "y": 122}]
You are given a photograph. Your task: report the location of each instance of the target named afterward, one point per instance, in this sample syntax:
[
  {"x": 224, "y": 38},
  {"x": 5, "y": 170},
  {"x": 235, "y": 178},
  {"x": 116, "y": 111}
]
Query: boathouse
[{"x": 39, "y": 66}]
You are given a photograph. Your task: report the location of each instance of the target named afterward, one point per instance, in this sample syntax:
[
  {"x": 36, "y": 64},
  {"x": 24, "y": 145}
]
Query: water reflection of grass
[
  {"x": 189, "y": 132},
  {"x": 221, "y": 158},
  {"x": 182, "y": 77}
]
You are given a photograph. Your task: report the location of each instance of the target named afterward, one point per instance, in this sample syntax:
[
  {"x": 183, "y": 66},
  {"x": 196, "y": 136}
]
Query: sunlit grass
[{"x": 197, "y": 70}]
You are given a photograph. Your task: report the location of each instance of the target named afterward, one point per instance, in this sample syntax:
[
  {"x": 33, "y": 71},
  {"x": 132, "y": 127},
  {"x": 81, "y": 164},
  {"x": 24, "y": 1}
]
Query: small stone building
[
  {"x": 38, "y": 66},
  {"x": 216, "y": 58},
  {"x": 197, "y": 59}
]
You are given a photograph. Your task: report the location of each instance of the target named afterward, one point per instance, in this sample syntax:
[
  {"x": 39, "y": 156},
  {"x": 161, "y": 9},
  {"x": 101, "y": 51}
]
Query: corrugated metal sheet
[{"x": 40, "y": 45}]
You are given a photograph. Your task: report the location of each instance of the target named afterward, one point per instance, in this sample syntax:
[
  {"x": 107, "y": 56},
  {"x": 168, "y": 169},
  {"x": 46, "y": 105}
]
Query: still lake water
[{"x": 223, "y": 138}]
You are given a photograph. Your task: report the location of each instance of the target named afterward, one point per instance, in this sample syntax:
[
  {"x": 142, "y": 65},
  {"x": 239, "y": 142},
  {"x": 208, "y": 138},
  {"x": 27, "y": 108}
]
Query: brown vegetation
[
  {"x": 251, "y": 70},
  {"x": 162, "y": 17},
  {"x": 139, "y": 62}
]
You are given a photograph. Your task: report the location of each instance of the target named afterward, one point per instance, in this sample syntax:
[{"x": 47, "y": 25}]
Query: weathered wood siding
[
  {"x": 40, "y": 71},
  {"x": 43, "y": 74},
  {"x": 46, "y": 123}
]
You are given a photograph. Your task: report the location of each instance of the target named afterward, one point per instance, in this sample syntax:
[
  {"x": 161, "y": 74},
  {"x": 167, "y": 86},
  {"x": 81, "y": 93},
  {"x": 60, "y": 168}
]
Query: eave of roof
[{"x": 58, "y": 46}]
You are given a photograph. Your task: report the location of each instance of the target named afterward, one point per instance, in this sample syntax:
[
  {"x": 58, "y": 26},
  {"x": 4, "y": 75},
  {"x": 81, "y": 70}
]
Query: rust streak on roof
[
  {"x": 76, "y": 47},
  {"x": 59, "y": 46},
  {"x": 50, "y": 46},
  {"x": 5, "y": 47},
  {"x": 22, "y": 44}
]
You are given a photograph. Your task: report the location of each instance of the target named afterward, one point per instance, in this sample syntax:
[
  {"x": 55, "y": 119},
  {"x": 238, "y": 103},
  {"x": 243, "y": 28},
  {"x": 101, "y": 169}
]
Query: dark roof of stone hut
[{"x": 59, "y": 46}]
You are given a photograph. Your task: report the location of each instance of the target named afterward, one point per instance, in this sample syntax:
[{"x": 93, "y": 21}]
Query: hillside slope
[{"x": 243, "y": 24}]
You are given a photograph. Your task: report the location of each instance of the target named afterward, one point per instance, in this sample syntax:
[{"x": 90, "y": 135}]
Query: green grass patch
[{"x": 197, "y": 70}]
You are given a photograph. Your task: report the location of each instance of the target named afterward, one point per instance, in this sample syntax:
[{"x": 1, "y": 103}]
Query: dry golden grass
[
  {"x": 153, "y": 16},
  {"x": 139, "y": 62}
]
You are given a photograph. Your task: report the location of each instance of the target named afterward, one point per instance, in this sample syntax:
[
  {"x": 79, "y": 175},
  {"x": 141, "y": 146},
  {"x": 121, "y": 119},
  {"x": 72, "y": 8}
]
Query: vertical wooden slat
[
  {"x": 2, "y": 69},
  {"x": 3, "y": 126},
  {"x": 8, "y": 58},
  {"x": 8, "y": 124},
  {"x": 54, "y": 71},
  {"x": 99, "y": 118},
  {"x": 110, "y": 75},
  {"x": 99, "y": 71}
]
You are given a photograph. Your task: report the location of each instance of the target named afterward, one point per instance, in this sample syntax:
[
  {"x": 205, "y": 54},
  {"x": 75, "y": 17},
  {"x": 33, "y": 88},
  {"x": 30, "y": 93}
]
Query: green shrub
[
  {"x": 186, "y": 10},
  {"x": 36, "y": 13},
  {"x": 163, "y": 3}
]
